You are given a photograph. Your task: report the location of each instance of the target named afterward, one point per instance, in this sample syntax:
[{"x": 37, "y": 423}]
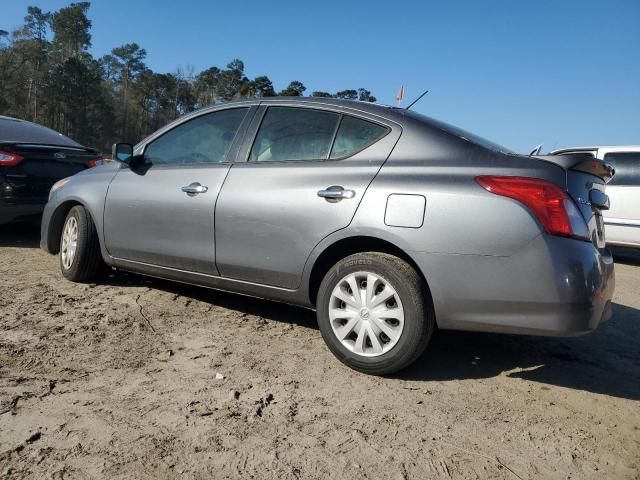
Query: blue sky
[{"x": 520, "y": 73}]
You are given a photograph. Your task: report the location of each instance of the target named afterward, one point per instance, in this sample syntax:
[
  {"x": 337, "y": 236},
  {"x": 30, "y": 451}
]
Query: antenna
[
  {"x": 536, "y": 150},
  {"x": 416, "y": 100}
]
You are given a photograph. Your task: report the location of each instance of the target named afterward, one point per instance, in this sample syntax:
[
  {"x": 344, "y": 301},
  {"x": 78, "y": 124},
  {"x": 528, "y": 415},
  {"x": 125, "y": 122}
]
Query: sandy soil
[{"x": 119, "y": 380}]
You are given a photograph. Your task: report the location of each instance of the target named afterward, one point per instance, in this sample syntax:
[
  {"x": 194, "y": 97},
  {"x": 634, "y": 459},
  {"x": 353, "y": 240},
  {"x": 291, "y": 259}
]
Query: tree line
[{"x": 48, "y": 76}]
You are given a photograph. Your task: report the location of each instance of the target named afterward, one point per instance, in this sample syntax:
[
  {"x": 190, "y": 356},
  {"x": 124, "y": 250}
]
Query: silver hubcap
[
  {"x": 366, "y": 314},
  {"x": 69, "y": 242}
]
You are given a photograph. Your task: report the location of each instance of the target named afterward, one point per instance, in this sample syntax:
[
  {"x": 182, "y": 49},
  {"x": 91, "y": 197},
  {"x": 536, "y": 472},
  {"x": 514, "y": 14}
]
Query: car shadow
[
  {"x": 20, "y": 235},
  {"x": 606, "y": 361},
  {"x": 267, "y": 309}
]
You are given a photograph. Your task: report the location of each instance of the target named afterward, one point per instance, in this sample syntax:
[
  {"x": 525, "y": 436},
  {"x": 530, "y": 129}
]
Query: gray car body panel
[
  {"x": 488, "y": 263},
  {"x": 175, "y": 230},
  {"x": 260, "y": 237}
]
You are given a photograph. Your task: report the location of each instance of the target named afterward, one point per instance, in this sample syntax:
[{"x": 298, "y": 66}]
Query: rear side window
[
  {"x": 627, "y": 165},
  {"x": 205, "y": 139},
  {"x": 294, "y": 134},
  {"x": 354, "y": 135}
]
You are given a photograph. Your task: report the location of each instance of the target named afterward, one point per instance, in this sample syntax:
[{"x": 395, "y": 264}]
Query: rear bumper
[
  {"x": 16, "y": 205},
  {"x": 554, "y": 286},
  {"x": 16, "y": 212}
]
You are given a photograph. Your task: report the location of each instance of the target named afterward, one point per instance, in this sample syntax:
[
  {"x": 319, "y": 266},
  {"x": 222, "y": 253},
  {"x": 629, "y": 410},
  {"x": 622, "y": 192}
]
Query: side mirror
[{"x": 122, "y": 152}]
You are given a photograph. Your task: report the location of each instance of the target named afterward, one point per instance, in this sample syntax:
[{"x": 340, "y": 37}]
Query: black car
[{"x": 32, "y": 159}]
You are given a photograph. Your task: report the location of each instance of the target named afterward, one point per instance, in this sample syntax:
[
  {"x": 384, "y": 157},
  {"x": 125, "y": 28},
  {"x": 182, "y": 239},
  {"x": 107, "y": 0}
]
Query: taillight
[
  {"x": 95, "y": 162},
  {"x": 551, "y": 205},
  {"x": 8, "y": 159}
]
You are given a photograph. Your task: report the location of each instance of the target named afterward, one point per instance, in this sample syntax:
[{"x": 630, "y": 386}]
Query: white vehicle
[{"x": 622, "y": 220}]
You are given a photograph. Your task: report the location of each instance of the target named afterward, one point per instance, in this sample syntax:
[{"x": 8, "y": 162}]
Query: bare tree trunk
[
  {"x": 125, "y": 87},
  {"x": 28, "y": 112}
]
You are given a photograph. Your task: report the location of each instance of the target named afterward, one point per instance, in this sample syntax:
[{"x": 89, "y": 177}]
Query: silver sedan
[{"x": 386, "y": 222}]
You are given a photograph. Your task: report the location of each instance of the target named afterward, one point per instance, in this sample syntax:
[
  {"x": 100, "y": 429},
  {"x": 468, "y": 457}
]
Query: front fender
[{"x": 88, "y": 190}]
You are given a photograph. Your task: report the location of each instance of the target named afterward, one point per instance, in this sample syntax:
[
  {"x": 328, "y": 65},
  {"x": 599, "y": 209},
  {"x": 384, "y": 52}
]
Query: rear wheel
[
  {"x": 375, "y": 313},
  {"x": 80, "y": 258}
]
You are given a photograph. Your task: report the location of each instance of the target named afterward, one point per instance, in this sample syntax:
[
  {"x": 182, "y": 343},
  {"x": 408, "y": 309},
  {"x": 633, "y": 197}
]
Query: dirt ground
[{"x": 120, "y": 379}]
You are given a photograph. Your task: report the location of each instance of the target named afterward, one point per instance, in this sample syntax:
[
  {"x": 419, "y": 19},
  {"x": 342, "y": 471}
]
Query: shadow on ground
[
  {"x": 606, "y": 361},
  {"x": 266, "y": 309}
]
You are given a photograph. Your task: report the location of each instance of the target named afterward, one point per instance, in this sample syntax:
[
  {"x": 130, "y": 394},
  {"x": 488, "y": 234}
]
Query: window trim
[
  {"x": 328, "y": 158},
  {"x": 242, "y": 127}
]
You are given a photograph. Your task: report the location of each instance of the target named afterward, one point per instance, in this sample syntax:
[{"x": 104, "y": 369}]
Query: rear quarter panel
[
  {"x": 460, "y": 216},
  {"x": 468, "y": 236}
]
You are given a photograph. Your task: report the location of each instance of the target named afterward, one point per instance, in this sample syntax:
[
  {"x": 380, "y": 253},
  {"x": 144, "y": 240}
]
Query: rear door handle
[
  {"x": 194, "y": 188},
  {"x": 336, "y": 193}
]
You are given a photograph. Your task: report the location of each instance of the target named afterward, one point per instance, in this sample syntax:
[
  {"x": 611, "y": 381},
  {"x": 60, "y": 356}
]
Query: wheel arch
[
  {"x": 351, "y": 245},
  {"x": 56, "y": 223}
]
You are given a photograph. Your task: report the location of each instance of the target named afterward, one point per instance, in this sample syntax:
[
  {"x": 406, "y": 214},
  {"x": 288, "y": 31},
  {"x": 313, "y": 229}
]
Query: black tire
[
  {"x": 87, "y": 261},
  {"x": 419, "y": 318}
]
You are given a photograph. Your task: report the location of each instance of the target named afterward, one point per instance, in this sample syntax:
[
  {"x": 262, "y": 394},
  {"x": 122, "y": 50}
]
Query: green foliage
[
  {"x": 364, "y": 95},
  {"x": 48, "y": 76},
  {"x": 347, "y": 95},
  {"x": 124, "y": 63},
  {"x": 71, "y": 27},
  {"x": 36, "y": 24},
  {"x": 361, "y": 94},
  {"x": 261, "y": 87},
  {"x": 295, "y": 89}
]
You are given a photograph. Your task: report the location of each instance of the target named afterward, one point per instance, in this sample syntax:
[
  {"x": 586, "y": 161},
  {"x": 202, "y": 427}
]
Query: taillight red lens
[
  {"x": 96, "y": 162},
  {"x": 8, "y": 159},
  {"x": 549, "y": 203}
]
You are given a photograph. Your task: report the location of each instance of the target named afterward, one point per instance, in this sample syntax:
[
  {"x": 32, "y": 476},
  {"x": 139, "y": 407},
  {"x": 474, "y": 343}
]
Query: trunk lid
[
  {"x": 42, "y": 166},
  {"x": 586, "y": 180}
]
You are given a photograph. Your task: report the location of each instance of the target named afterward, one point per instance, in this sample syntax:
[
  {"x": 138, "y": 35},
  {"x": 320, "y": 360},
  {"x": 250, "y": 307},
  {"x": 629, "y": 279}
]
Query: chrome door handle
[
  {"x": 335, "y": 193},
  {"x": 194, "y": 188}
]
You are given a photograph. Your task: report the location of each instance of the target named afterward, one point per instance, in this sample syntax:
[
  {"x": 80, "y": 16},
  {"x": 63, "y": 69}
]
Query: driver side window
[{"x": 205, "y": 139}]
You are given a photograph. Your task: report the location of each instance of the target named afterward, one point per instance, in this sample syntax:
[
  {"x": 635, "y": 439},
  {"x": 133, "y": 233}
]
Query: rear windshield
[
  {"x": 460, "y": 133},
  {"x": 19, "y": 131}
]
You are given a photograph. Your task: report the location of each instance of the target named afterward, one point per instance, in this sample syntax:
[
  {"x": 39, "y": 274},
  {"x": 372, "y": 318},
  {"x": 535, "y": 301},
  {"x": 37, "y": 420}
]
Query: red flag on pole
[{"x": 400, "y": 94}]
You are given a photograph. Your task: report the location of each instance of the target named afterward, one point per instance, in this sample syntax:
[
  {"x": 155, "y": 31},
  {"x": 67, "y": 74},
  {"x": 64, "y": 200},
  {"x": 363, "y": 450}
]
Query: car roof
[
  {"x": 15, "y": 130},
  {"x": 386, "y": 111}
]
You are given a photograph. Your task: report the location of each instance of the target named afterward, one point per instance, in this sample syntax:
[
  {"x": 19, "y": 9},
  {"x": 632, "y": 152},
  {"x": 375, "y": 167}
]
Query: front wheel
[
  {"x": 80, "y": 257},
  {"x": 375, "y": 313}
]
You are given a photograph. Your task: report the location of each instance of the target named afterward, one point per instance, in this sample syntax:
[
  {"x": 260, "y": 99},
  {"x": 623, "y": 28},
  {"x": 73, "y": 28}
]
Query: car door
[
  {"x": 161, "y": 212},
  {"x": 305, "y": 174},
  {"x": 622, "y": 220}
]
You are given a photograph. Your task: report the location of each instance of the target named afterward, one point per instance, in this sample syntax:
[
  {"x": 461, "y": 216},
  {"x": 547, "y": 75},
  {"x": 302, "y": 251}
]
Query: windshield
[{"x": 460, "y": 133}]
